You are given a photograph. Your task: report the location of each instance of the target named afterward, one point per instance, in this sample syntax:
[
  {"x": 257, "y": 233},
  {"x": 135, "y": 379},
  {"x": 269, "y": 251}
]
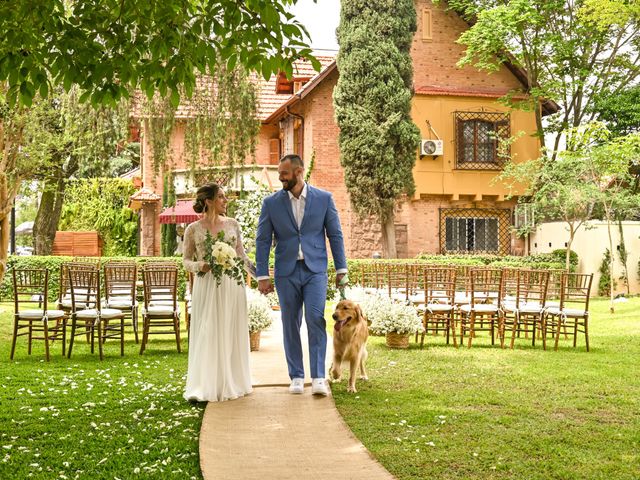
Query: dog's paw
[
  {"x": 364, "y": 377},
  {"x": 335, "y": 380},
  {"x": 351, "y": 389}
]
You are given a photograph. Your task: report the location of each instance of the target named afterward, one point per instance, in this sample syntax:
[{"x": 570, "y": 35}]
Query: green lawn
[
  {"x": 83, "y": 418},
  {"x": 487, "y": 413},
  {"x": 442, "y": 413}
]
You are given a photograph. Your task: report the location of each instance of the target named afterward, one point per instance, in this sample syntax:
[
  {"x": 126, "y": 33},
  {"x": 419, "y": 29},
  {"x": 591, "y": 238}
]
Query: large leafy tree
[
  {"x": 558, "y": 189},
  {"x": 608, "y": 160},
  {"x": 372, "y": 99},
  {"x": 620, "y": 111},
  {"x": 79, "y": 141},
  {"x": 111, "y": 48},
  {"x": 572, "y": 52}
]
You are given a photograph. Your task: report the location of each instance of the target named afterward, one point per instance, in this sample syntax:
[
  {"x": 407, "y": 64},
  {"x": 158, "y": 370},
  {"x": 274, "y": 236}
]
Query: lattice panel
[
  {"x": 478, "y": 136},
  {"x": 475, "y": 230},
  {"x": 222, "y": 178}
]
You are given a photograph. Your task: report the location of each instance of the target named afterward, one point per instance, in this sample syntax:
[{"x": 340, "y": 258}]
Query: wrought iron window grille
[
  {"x": 475, "y": 230},
  {"x": 478, "y": 136}
]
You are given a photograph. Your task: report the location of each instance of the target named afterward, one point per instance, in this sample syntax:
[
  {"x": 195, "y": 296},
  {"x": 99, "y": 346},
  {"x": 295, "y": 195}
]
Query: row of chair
[
  {"x": 96, "y": 302},
  {"x": 536, "y": 303}
]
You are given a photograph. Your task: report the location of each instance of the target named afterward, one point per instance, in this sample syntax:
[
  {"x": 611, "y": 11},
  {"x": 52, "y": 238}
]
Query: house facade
[{"x": 458, "y": 205}]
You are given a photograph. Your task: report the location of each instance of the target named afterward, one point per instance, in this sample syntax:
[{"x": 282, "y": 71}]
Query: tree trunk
[
  {"x": 567, "y": 258},
  {"x": 7, "y": 196},
  {"x": 48, "y": 216},
  {"x": 389, "y": 237},
  {"x": 611, "y": 259},
  {"x": 624, "y": 256}
]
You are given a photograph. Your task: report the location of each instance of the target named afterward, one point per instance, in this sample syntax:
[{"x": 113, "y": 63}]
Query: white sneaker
[
  {"x": 297, "y": 386},
  {"x": 319, "y": 387}
]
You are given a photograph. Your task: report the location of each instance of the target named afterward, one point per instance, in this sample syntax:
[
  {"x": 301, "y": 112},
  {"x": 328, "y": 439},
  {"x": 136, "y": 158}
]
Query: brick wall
[{"x": 434, "y": 61}]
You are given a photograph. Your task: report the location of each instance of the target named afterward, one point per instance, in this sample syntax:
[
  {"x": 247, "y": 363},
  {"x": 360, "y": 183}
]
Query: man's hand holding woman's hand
[{"x": 265, "y": 286}]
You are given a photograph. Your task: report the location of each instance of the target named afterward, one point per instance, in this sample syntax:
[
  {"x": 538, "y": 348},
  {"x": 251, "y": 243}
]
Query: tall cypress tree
[{"x": 372, "y": 100}]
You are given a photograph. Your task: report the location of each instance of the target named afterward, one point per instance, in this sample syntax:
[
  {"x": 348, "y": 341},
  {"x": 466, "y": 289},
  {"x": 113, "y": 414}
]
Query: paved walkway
[{"x": 272, "y": 434}]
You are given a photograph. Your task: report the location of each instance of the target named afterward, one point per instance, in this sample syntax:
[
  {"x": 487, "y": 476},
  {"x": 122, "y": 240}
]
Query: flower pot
[
  {"x": 254, "y": 341},
  {"x": 397, "y": 340}
]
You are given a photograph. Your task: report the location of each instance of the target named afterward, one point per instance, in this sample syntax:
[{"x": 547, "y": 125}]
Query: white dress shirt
[{"x": 297, "y": 205}]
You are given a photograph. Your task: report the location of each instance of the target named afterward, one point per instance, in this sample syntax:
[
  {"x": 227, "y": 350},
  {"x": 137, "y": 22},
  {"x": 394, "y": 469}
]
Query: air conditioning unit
[{"x": 431, "y": 147}]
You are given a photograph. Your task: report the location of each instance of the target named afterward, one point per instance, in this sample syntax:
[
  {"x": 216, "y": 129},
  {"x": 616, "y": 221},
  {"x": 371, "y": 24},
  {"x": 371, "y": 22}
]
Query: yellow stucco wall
[{"x": 438, "y": 176}]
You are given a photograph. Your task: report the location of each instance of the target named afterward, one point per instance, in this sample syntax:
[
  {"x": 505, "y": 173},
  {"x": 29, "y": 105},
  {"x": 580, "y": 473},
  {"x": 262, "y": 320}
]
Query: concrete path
[{"x": 272, "y": 434}]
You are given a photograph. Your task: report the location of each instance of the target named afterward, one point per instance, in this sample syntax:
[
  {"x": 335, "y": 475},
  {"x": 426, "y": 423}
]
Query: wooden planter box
[{"x": 77, "y": 244}]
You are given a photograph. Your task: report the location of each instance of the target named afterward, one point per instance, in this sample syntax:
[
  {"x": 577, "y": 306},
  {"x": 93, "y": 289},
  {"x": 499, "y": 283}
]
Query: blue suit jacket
[{"x": 320, "y": 222}]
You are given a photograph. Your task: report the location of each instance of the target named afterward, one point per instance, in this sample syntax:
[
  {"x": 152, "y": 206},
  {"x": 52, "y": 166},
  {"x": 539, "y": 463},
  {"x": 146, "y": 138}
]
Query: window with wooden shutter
[{"x": 274, "y": 151}]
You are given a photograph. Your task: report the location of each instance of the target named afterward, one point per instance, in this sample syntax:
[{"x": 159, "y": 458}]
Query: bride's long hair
[{"x": 208, "y": 191}]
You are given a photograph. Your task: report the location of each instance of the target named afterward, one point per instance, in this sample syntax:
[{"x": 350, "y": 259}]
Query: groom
[{"x": 300, "y": 217}]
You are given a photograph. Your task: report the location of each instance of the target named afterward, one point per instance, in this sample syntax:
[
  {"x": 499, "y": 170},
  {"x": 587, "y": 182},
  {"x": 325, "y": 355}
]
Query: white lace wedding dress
[{"x": 219, "y": 339}]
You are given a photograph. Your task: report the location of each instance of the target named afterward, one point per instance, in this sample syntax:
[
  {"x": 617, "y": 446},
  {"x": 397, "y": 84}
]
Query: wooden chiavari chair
[
  {"x": 120, "y": 291},
  {"x": 160, "y": 304},
  {"x": 439, "y": 312},
  {"x": 573, "y": 311},
  {"x": 31, "y": 286},
  {"x": 525, "y": 311},
  {"x": 87, "y": 307},
  {"x": 479, "y": 315}
]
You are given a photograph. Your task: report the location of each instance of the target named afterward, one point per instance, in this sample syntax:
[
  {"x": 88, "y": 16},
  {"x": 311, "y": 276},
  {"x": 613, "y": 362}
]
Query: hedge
[
  {"x": 52, "y": 263},
  {"x": 550, "y": 261}
]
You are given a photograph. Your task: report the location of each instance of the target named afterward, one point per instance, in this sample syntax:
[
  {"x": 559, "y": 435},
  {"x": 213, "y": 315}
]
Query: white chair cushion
[
  {"x": 439, "y": 307},
  {"x": 161, "y": 302},
  {"x": 119, "y": 303},
  {"x": 160, "y": 310},
  {"x": 51, "y": 314},
  {"x": 66, "y": 303},
  {"x": 106, "y": 313},
  {"x": 527, "y": 307},
  {"x": 479, "y": 308},
  {"x": 531, "y": 307},
  {"x": 461, "y": 297},
  {"x": 400, "y": 297},
  {"x": 567, "y": 312}
]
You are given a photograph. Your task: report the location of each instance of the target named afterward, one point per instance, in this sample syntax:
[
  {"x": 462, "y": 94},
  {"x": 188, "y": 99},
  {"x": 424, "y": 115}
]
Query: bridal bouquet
[{"x": 222, "y": 258}]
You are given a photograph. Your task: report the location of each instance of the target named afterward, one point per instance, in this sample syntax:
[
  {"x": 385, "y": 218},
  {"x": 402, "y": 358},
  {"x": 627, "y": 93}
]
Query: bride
[{"x": 219, "y": 340}]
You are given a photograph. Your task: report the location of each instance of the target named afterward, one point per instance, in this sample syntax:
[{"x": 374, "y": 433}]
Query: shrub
[
  {"x": 560, "y": 255},
  {"x": 604, "y": 284},
  {"x": 52, "y": 263}
]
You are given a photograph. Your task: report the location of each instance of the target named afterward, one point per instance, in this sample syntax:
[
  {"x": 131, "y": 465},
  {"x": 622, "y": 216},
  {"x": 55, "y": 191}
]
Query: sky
[{"x": 321, "y": 20}]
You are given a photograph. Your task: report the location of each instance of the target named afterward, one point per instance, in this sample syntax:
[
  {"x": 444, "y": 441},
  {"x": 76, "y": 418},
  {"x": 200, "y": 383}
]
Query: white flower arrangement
[
  {"x": 388, "y": 316},
  {"x": 258, "y": 310},
  {"x": 273, "y": 299}
]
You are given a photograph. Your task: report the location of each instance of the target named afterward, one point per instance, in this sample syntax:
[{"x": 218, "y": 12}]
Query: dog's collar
[{"x": 339, "y": 324}]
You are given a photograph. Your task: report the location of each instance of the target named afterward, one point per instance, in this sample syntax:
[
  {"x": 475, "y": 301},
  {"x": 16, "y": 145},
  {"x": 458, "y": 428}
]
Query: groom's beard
[{"x": 289, "y": 184}]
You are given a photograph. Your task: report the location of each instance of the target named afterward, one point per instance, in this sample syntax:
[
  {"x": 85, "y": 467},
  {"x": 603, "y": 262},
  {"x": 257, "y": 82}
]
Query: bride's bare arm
[{"x": 191, "y": 263}]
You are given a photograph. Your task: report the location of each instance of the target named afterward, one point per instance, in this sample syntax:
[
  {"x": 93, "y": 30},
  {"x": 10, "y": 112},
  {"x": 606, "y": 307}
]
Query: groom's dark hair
[{"x": 294, "y": 159}]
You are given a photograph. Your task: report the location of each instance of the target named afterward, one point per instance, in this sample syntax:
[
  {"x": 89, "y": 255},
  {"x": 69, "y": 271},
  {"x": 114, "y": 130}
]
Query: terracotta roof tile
[{"x": 268, "y": 100}]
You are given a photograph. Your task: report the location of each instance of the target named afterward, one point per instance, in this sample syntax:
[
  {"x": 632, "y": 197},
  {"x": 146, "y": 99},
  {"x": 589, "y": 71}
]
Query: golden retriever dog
[{"x": 350, "y": 334}]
